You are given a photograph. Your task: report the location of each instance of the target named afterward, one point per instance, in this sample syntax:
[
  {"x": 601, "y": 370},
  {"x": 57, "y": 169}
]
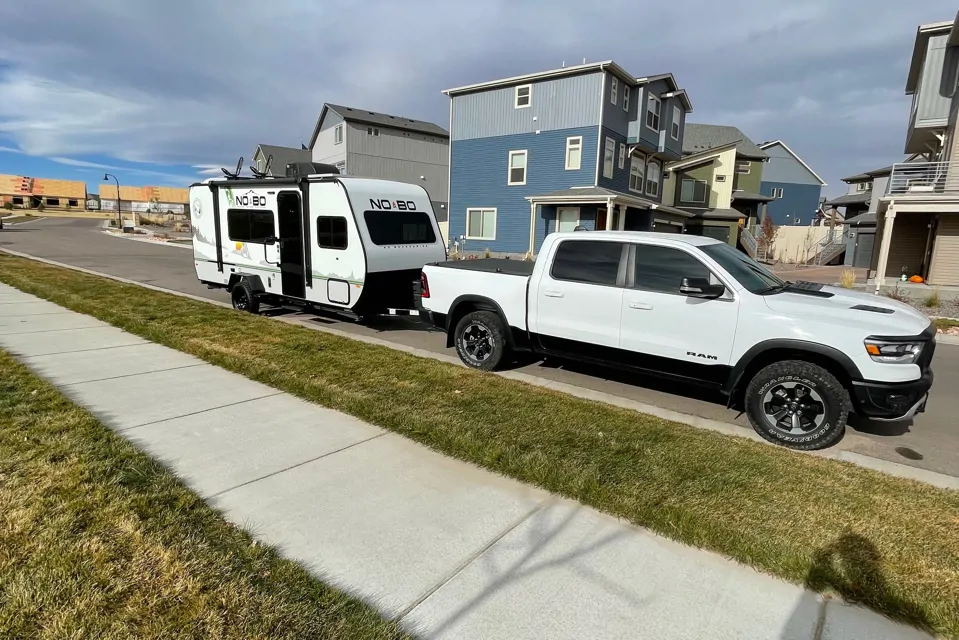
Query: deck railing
[{"x": 924, "y": 178}]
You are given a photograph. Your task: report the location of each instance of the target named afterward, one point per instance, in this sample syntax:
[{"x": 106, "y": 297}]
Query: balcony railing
[{"x": 924, "y": 178}]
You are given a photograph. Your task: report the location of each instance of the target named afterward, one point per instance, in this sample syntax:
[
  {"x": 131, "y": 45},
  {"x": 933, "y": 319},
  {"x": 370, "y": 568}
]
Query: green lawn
[
  {"x": 889, "y": 543},
  {"x": 99, "y": 541}
]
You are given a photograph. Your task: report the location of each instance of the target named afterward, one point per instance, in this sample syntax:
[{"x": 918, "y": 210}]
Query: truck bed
[{"x": 491, "y": 265}]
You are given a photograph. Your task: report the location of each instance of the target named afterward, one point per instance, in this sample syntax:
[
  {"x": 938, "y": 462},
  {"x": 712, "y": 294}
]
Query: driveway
[{"x": 932, "y": 442}]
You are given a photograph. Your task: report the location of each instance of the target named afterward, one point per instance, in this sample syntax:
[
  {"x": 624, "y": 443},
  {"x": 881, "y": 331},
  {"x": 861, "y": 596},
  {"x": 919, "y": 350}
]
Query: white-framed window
[
  {"x": 609, "y": 157},
  {"x": 742, "y": 166},
  {"x": 637, "y": 173},
  {"x": 567, "y": 218},
  {"x": 677, "y": 123},
  {"x": 523, "y": 96},
  {"x": 625, "y": 97},
  {"x": 622, "y": 155},
  {"x": 693, "y": 191},
  {"x": 260, "y": 164},
  {"x": 481, "y": 224},
  {"x": 720, "y": 178},
  {"x": 652, "y": 178},
  {"x": 861, "y": 186},
  {"x": 653, "y": 107},
  {"x": 613, "y": 90},
  {"x": 372, "y": 131},
  {"x": 574, "y": 153},
  {"x": 517, "y": 167},
  {"x": 777, "y": 192},
  {"x": 338, "y": 134}
]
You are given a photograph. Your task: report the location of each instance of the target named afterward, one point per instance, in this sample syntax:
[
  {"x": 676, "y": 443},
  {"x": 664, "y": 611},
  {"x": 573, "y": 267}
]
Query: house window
[
  {"x": 338, "y": 134},
  {"x": 523, "y": 96},
  {"x": 260, "y": 163},
  {"x": 331, "y": 232},
  {"x": 653, "y": 107},
  {"x": 613, "y": 90},
  {"x": 517, "y": 168},
  {"x": 676, "y": 124},
  {"x": 609, "y": 156},
  {"x": 481, "y": 224},
  {"x": 864, "y": 186},
  {"x": 372, "y": 131},
  {"x": 53, "y": 202},
  {"x": 777, "y": 192},
  {"x": 622, "y": 155},
  {"x": 637, "y": 172},
  {"x": 73, "y": 203},
  {"x": 574, "y": 153},
  {"x": 567, "y": 218},
  {"x": 625, "y": 98},
  {"x": 693, "y": 190},
  {"x": 250, "y": 225},
  {"x": 742, "y": 166},
  {"x": 18, "y": 200},
  {"x": 652, "y": 178},
  {"x": 720, "y": 178}
]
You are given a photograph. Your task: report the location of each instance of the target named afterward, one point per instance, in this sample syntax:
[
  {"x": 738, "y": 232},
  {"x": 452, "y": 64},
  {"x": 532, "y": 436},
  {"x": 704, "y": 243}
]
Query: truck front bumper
[{"x": 892, "y": 402}]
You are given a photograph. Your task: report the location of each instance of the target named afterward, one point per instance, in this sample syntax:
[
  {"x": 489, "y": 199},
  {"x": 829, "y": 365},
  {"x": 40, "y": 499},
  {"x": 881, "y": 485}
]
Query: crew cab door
[
  {"x": 575, "y": 307},
  {"x": 667, "y": 330}
]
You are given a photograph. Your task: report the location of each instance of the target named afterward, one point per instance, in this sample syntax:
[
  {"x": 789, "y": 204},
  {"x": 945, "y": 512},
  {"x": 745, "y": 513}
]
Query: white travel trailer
[{"x": 352, "y": 245}]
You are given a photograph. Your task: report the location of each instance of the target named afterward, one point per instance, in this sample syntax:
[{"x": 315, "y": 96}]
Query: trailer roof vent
[{"x": 295, "y": 169}]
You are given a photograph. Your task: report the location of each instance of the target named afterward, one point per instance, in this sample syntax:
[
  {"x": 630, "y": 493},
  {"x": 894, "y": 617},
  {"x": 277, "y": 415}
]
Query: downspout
[
  {"x": 599, "y": 128},
  {"x": 532, "y": 227}
]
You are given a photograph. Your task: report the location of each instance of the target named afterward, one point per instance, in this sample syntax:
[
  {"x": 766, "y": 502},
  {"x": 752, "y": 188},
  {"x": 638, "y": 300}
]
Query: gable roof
[
  {"x": 869, "y": 175},
  {"x": 701, "y": 137},
  {"x": 282, "y": 156},
  {"x": 782, "y": 144},
  {"x": 362, "y": 116},
  {"x": 701, "y": 157}
]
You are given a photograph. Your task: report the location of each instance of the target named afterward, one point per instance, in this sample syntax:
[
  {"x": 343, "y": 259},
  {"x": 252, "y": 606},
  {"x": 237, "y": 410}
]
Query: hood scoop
[
  {"x": 808, "y": 288},
  {"x": 869, "y": 307}
]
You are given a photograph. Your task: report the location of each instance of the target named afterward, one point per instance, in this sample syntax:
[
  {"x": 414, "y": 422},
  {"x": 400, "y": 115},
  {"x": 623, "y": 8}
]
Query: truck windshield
[
  {"x": 399, "y": 227},
  {"x": 749, "y": 273}
]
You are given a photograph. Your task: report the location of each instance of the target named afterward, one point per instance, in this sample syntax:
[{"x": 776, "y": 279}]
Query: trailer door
[{"x": 290, "y": 217}]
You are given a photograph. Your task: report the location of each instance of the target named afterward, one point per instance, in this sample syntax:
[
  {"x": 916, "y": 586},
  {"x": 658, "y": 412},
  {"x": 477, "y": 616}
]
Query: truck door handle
[
  {"x": 553, "y": 294},
  {"x": 641, "y": 305}
]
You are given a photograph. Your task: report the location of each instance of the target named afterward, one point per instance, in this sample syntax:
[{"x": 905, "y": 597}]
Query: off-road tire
[
  {"x": 834, "y": 399},
  {"x": 490, "y": 323},
  {"x": 244, "y": 298}
]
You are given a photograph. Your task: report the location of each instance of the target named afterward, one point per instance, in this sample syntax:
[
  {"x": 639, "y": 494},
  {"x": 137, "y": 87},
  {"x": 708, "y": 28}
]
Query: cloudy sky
[{"x": 159, "y": 92}]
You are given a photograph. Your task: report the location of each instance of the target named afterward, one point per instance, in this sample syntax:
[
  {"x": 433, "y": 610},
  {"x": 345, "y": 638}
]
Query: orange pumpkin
[{"x": 916, "y": 279}]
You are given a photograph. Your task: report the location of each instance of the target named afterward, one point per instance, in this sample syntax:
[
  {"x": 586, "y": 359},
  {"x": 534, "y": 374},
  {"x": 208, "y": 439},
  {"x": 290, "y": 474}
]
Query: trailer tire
[
  {"x": 244, "y": 298},
  {"x": 798, "y": 405},
  {"x": 480, "y": 339}
]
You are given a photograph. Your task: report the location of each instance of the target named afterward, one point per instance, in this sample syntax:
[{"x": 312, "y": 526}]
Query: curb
[
  {"x": 153, "y": 242},
  {"x": 940, "y": 480}
]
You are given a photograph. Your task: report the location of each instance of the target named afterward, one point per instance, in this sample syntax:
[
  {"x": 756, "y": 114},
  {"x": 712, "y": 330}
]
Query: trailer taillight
[{"x": 424, "y": 285}]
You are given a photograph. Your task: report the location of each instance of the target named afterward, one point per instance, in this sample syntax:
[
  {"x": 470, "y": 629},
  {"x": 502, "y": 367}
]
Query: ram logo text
[{"x": 701, "y": 355}]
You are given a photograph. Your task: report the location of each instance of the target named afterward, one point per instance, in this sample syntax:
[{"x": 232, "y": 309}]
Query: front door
[
  {"x": 601, "y": 219},
  {"x": 291, "y": 244},
  {"x": 576, "y": 308},
  {"x": 668, "y": 331},
  {"x": 865, "y": 242}
]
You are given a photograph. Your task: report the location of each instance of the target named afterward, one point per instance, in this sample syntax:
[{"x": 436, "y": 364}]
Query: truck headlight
[{"x": 894, "y": 352}]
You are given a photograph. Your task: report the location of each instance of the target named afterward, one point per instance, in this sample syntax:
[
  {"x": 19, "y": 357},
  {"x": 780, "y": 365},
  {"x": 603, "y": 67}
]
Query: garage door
[
  {"x": 661, "y": 226},
  {"x": 864, "y": 245},
  {"x": 719, "y": 233}
]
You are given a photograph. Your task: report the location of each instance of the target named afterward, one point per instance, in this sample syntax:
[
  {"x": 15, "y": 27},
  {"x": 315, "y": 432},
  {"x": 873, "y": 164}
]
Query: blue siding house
[
  {"x": 577, "y": 146},
  {"x": 792, "y": 183}
]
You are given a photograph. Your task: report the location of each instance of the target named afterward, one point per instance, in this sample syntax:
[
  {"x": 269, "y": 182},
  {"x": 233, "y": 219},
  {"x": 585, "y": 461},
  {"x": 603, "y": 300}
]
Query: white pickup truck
[{"x": 797, "y": 356}]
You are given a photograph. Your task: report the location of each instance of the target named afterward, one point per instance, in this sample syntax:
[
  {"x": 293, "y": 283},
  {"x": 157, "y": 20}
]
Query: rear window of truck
[{"x": 399, "y": 227}]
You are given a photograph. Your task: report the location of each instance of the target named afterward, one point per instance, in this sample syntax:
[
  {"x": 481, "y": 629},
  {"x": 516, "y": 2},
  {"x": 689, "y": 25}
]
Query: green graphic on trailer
[{"x": 229, "y": 196}]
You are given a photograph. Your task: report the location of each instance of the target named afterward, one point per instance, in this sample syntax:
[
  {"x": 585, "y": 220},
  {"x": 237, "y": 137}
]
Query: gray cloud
[{"x": 200, "y": 83}]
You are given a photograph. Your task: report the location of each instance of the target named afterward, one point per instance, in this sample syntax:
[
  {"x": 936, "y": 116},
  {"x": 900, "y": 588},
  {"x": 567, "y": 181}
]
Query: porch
[{"x": 599, "y": 209}]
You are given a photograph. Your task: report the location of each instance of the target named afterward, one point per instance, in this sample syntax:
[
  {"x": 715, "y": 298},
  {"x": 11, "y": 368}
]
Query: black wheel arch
[
  {"x": 255, "y": 282},
  {"x": 468, "y": 303},
  {"x": 764, "y": 353}
]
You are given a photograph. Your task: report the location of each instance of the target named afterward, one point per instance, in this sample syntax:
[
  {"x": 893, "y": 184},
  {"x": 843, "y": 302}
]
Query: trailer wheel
[
  {"x": 480, "y": 339},
  {"x": 243, "y": 298}
]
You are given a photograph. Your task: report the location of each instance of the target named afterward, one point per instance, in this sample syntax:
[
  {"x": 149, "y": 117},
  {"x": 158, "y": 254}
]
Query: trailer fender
[{"x": 255, "y": 282}]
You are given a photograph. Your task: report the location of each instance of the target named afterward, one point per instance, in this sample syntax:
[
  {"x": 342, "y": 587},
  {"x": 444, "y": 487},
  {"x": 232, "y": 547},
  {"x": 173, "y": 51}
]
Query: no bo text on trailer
[{"x": 354, "y": 246}]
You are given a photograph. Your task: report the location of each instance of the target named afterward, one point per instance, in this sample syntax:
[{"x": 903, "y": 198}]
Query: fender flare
[
  {"x": 254, "y": 279},
  {"x": 844, "y": 361},
  {"x": 483, "y": 300}
]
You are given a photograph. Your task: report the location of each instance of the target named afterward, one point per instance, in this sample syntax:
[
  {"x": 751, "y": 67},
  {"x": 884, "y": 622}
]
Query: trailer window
[
  {"x": 250, "y": 225},
  {"x": 331, "y": 232},
  {"x": 399, "y": 227}
]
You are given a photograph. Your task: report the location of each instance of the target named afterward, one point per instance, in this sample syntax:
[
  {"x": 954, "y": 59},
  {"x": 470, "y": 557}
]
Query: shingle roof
[
  {"x": 865, "y": 218},
  {"x": 384, "y": 119},
  {"x": 716, "y": 214},
  {"x": 851, "y": 198},
  {"x": 739, "y": 194},
  {"x": 701, "y": 137},
  {"x": 283, "y": 156},
  {"x": 869, "y": 175}
]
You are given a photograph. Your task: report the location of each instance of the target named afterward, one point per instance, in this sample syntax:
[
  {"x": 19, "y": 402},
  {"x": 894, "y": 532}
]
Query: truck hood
[{"x": 875, "y": 315}]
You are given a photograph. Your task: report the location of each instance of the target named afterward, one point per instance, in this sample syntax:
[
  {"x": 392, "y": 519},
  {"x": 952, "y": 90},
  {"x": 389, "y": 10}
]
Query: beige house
[
  {"x": 145, "y": 199},
  {"x": 918, "y": 213},
  {"x": 24, "y": 192}
]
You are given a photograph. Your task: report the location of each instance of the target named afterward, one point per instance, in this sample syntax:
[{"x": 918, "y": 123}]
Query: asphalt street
[{"x": 930, "y": 442}]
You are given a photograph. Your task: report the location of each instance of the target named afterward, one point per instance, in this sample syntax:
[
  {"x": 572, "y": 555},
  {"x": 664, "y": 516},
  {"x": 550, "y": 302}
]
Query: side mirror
[
  {"x": 701, "y": 288},
  {"x": 269, "y": 241}
]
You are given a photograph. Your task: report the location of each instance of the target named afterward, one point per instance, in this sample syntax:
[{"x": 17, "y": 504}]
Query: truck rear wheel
[
  {"x": 480, "y": 340},
  {"x": 798, "y": 405}
]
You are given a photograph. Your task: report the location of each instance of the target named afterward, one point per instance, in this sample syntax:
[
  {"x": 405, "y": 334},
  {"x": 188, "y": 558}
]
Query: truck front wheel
[
  {"x": 798, "y": 405},
  {"x": 480, "y": 340}
]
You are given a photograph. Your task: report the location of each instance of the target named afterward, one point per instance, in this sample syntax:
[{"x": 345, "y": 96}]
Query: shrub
[
  {"x": 487, "y": 254},
  {"x": 897, "y": 294},
  {"x": 847, "y": 279},
  {"x": 932, "y": 300},
  {"x": 8, "y": 206}
]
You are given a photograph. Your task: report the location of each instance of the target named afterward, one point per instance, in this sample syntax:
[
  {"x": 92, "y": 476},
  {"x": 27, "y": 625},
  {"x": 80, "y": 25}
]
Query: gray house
[
  {"x": 378, "y": 145},
  {"x": 282, "y": 156}
]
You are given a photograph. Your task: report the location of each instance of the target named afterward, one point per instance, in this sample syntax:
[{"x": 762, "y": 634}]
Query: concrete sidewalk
[{"x": 451, "y": 550}]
